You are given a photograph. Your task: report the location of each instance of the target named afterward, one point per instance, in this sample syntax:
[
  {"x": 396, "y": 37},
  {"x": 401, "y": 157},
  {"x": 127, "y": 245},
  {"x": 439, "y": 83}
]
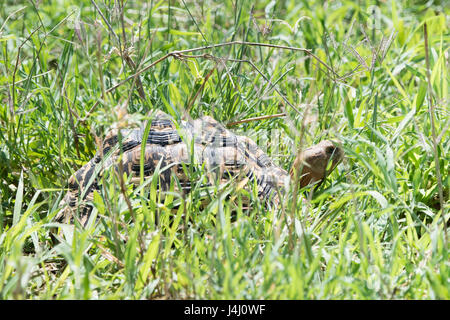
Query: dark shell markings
[{"x": 223, "y": 154}]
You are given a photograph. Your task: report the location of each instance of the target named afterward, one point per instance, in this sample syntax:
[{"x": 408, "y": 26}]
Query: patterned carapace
[{"x": 224, "y": 154}]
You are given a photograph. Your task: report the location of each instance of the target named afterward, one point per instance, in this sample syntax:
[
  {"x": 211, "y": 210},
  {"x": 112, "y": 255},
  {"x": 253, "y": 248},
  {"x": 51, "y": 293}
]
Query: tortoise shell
[{"x": 224, "y": 154}]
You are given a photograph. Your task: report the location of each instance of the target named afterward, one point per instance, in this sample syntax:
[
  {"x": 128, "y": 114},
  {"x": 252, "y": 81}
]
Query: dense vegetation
[{"x": 375, "y": 77}]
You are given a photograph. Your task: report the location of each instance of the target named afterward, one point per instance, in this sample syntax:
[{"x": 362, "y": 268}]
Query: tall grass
[{"x": 376, "y": 229}]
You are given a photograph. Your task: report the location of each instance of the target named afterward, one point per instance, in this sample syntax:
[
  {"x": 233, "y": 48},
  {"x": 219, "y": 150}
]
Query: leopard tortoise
[{"x": 224, "y": 154}]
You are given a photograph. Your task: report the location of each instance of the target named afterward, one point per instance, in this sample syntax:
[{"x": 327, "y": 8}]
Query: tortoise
[{"x": 224, "y": 154}]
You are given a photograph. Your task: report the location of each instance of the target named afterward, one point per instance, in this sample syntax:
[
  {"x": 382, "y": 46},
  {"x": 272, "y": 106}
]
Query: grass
[{"x": 377, "y": 229}]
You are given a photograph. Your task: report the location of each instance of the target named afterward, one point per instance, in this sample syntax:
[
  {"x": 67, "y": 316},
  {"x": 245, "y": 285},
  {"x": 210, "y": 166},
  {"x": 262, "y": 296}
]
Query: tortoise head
[{"x": 317, "y": 162}]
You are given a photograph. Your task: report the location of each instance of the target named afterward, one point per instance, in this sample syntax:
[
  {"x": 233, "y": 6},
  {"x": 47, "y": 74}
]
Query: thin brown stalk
[
  {"x": 180, "y": 52},
  {"x": 191, "y": 102},
  {"x": 122, "y": 22},
  {"x": 140, "y": 87},
  {"x": 137, "y": 80},
  {"x": 9, "y": 16},
  {"x": 258, "y": 44},
  {"x": 125, "y": 81},
  {"x": 268, "y": 81},
  {"x": 109, "y": 256},
  {"x": 128, "y": 59},
  {"x": 270, "y": 116},
  {"x": 123, "y": 52},
  {"x": 106, "y": 21}
]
